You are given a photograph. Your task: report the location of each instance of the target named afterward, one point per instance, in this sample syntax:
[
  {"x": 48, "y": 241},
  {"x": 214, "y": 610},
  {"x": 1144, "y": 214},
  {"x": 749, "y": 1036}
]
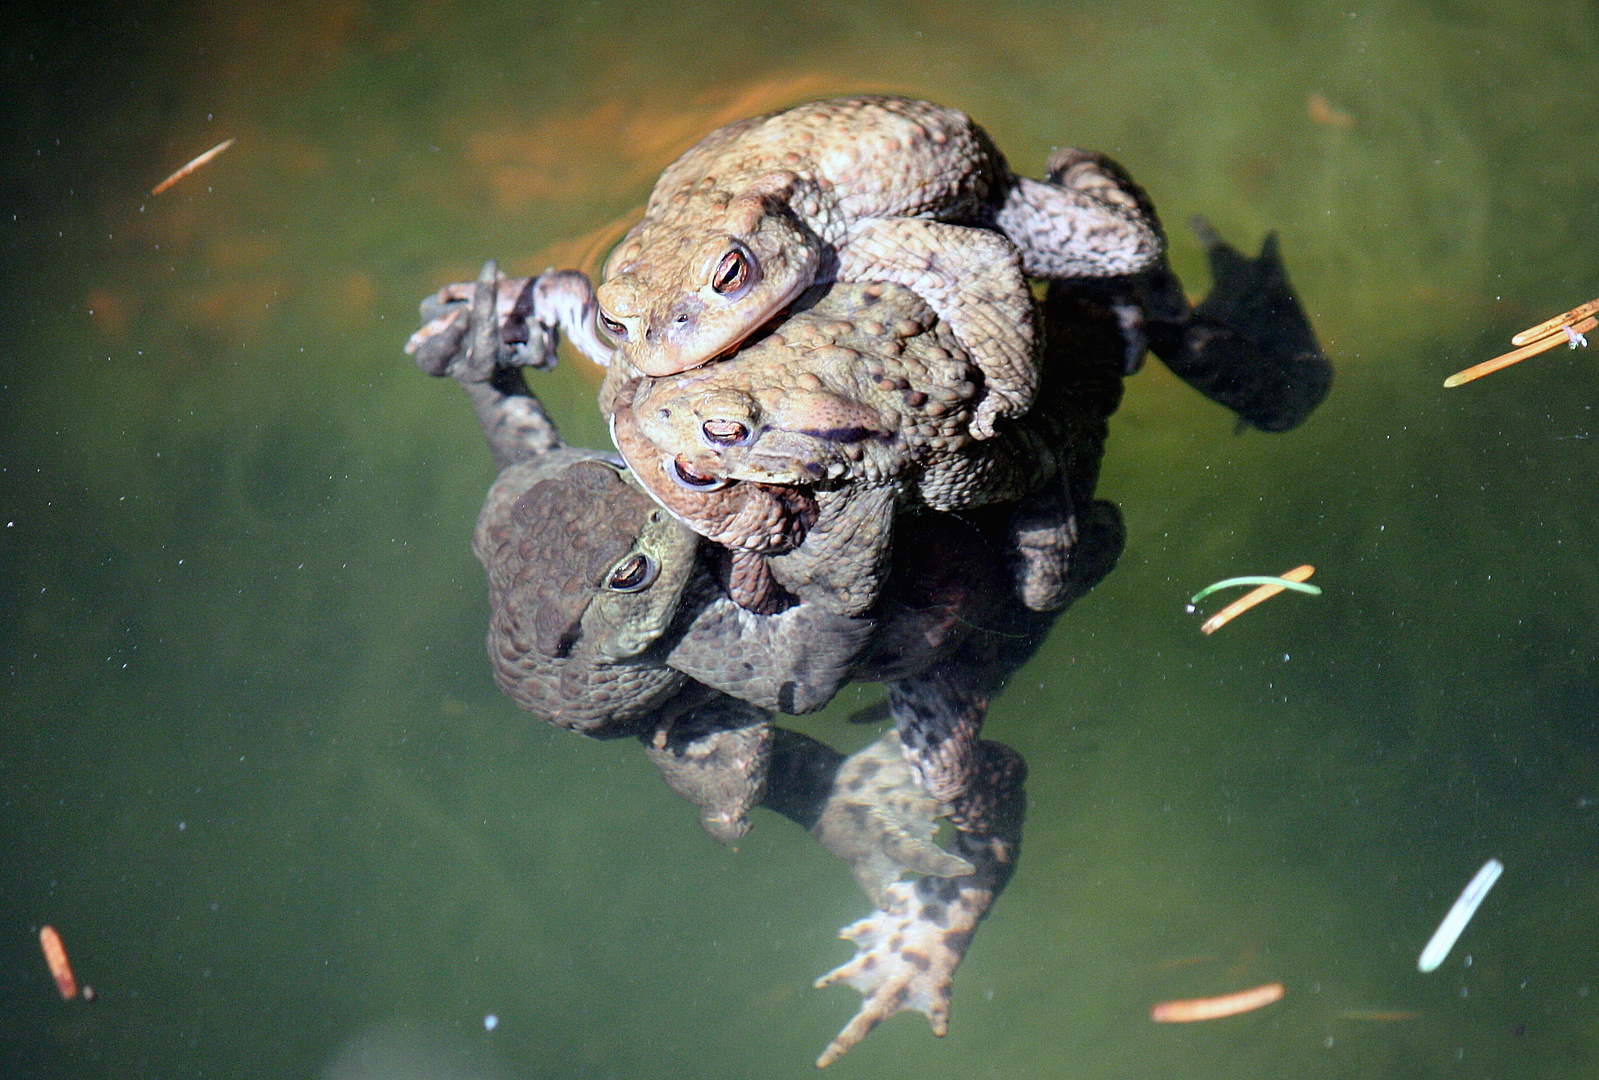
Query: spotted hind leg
[
  {"x": 1089, "y": 220},
  {"x": 938, "y": 715}
]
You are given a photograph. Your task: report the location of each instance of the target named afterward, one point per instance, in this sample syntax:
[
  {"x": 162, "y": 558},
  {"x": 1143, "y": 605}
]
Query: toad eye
[
  {"x": 731, "y": 272},
  {"x": 687, "y": 477},
  {"x": 635, "y": 573},
  {"x": 613, "y": 327},
  {"x": 719, "y": 432}
]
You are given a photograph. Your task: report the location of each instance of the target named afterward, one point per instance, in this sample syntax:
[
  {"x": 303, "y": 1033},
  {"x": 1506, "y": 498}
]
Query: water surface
[{"x": 252, "y": 764}]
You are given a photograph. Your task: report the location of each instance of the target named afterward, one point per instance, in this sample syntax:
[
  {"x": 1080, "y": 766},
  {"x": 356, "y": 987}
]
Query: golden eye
[
  {"x": 613, "y": 327},
  {"x": 719, "y": 432},
  {"x": 635, "y": 573},
  {"x": 731, "y": 272},
  {"x": 687, "y": 476}
]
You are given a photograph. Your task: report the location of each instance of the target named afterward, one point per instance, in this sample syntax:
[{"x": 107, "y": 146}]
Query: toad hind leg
[
  {"x": 1089, "y": 221},
  {"x": 973, "y": 279},
  {"x": 878, "y": 819},
  {"x": 938, "y": 715}
]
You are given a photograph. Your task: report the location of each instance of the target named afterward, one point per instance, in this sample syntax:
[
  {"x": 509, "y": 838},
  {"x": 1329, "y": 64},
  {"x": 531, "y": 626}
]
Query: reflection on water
[
  {"x": 253, "y": 767},
  {"x": 409, "y": 1050}
]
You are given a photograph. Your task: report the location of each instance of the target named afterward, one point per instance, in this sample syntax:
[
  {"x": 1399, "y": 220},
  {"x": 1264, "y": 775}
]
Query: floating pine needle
[
  {"x": 1448, "y": 932},
  {"x": 1188, "y": 1010},
  {"x": 203, "y": 160},
  {"x": 55, "y": 955},
  {"x": 1269, "y": 587},
  {"x": 1566, "y": 335},
  {"x": 1556, "y": 324},
  {"x": 1379, "y": 1016},
  {"x": 1566, "y": 329}
]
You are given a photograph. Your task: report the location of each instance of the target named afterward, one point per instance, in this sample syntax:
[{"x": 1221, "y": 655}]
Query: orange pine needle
[
  {"x": 199, "y": 162},
  {"x": 1488, "y": 367},
  {"x": 1188, "y": 1010},
  {"x": 55, "y": 955},
  {"x": 1251, "y": 598},
  {"x": 1554, "y": 325}
]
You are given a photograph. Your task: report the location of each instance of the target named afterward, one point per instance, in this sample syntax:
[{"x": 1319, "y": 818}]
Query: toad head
[{"x": 690, "y": 286}]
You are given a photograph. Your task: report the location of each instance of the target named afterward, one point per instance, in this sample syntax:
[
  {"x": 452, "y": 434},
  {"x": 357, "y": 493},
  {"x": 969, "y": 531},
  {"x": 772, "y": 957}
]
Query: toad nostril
[{"x": 724, "y": 432}]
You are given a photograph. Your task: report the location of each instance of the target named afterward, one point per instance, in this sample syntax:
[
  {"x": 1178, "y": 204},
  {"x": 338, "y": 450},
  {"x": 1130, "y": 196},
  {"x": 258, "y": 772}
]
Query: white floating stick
[{"x": 1448, "y": 932}]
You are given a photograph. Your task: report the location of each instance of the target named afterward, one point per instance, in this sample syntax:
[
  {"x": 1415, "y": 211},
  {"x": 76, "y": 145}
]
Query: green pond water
[{"x": 252, "y": 763}]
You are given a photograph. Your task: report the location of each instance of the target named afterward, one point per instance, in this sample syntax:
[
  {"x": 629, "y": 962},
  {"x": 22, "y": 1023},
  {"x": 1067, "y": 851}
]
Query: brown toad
[
  {"x": 860, "y": 189},
  {"x": 814, "y": 438},
  {"x": 594, "y": 603}
]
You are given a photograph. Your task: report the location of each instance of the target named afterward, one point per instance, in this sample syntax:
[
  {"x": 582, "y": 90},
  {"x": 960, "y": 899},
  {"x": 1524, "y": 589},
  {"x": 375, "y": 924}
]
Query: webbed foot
[
  {"x": 906, "y": 954},
  {"x": 530, "y": 314},
  {"x": 905, "y": 958}
]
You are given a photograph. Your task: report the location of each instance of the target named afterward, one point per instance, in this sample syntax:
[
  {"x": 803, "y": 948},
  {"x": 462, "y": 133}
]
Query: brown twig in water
[{"x": 202, "y": 160}]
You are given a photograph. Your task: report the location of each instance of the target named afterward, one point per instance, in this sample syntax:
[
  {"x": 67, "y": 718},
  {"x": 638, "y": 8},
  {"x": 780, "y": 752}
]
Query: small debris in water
[
  {"x": 490, "y": 1022},
  {"x": 1322, "y": 111},
  {"x": 55, "y": 956},
  {"x": 199, "y": 162},
  {"x": 1379, "y": 1016},
  {"x": 1448, "y": 932},
  {"x": 1269, "y": 587}
]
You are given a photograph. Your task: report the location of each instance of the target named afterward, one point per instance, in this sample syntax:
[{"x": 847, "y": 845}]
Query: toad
[
  {"x": 593, "y": 598},
  {"x": 859, "y": 189},
  {"x": 853, "y": 412},
  {"x": 928, "y": 636}
]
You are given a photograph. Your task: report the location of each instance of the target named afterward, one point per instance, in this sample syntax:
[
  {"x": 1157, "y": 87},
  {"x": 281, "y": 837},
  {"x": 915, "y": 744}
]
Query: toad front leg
[
  {"x": 973, "y": 279},
  {"x": 716, "y": 754}
]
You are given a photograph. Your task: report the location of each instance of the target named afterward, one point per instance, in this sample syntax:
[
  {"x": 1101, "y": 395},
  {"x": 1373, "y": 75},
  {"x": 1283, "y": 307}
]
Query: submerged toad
[
  {"x": 861, "y": 189},
  {"x": 594, "y": 602}
]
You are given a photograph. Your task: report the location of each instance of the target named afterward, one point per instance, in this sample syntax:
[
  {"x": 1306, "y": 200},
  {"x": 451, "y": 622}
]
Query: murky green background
[{"x": 252, "y": 764}]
